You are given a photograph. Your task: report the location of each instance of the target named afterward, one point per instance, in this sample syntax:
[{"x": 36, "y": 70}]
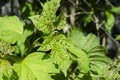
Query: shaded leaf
[
  {"x": 23, "y": 42},
  {"x": 98, "y": 59},
  {"x": 5, "y": 69},
  {"x": 109, "y": 21},
  {"x": 118, "y": 37},
  {"x": 84, "y": 42},
  {"x": 88, "y": 19},
  {"x": 115, "y": 9},
  {"x": 82, "y": 58},
  {"x": 95, "y": 53}
]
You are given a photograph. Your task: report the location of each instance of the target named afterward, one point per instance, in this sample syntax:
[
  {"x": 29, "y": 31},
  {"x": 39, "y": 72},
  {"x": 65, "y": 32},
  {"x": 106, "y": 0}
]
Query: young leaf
[
  {"x": 109, "y": 21},
  {"x": 50, "y": 8},
  {"x": 42, "y": 23},
  {"x": 61, "y": 57},
  {"x": 33, "y": 67},
  {"x": 47, "y": 44},
  {"x": 58, "y": 45},
  {"x": 45, "y": 22},
  {"x": 5, "y": 48},
  {"x": 60, "y": 22},
  {"x": 63, "y": 40}
]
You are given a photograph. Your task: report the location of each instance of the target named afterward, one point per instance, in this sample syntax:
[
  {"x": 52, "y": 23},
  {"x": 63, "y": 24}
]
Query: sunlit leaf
[
  {"x": 42, "y": 23},
  {"x": 33, "y": 67},
  {"x": 9, "y": 36},
  {"x": 47, "y": 44},
  {"x": 50, "y": 8},
  {"x": 60, "y": 22},
  {"x": 11, "y": 23},
  {"x": 58, "y": 46},
  {"x": 58, "y": 54},
  {"x": 5, "y": 48},
  {"x": 11, "y": 28},
  {"x": 45, "y": 21}
]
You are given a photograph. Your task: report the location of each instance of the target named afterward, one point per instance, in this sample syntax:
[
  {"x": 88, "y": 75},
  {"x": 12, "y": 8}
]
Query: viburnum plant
[{"x": 41, "y": 51}]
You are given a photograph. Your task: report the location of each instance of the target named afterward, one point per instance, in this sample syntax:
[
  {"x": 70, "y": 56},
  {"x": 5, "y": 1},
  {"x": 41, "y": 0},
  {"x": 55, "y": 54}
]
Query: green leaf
[
  {"x": 109, "y": 21},
  {"x": 9, "y": 36},
  {"x": 50, "y": 8},
  {"x": 45, "y": 21},
  {"x": 58, "y": 45},
  {"x": 82, "y": 58},
  {"x": 23, "y": 42},
  {"x": 84, "y": 42},
  {"x": 115, "y": 9},
  {"x": 60, "y": 22},
  {"x": 118, "y": 37},
  {"x": 42, "y": 23},
  {"x": 90, "y": 42},
  {"x": 88, "y": 19},
  {"x": 5, "y": 69},
  {"x": 96, "y": 54},
  {"x": 28, "y": 7},
  {"x": 66, "y": 43},
  {"x": 73, "y": 33},
  {"x": 61, "y": 57},
  {"x": 5, "y": 48},
  {"x": 98, "y": 59},
  {"x": 33, "y": 67},
  {"x": 11, "y": 23},
  {"x": 11, "y": 28},
  {"x": 47, "y": 44}
]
